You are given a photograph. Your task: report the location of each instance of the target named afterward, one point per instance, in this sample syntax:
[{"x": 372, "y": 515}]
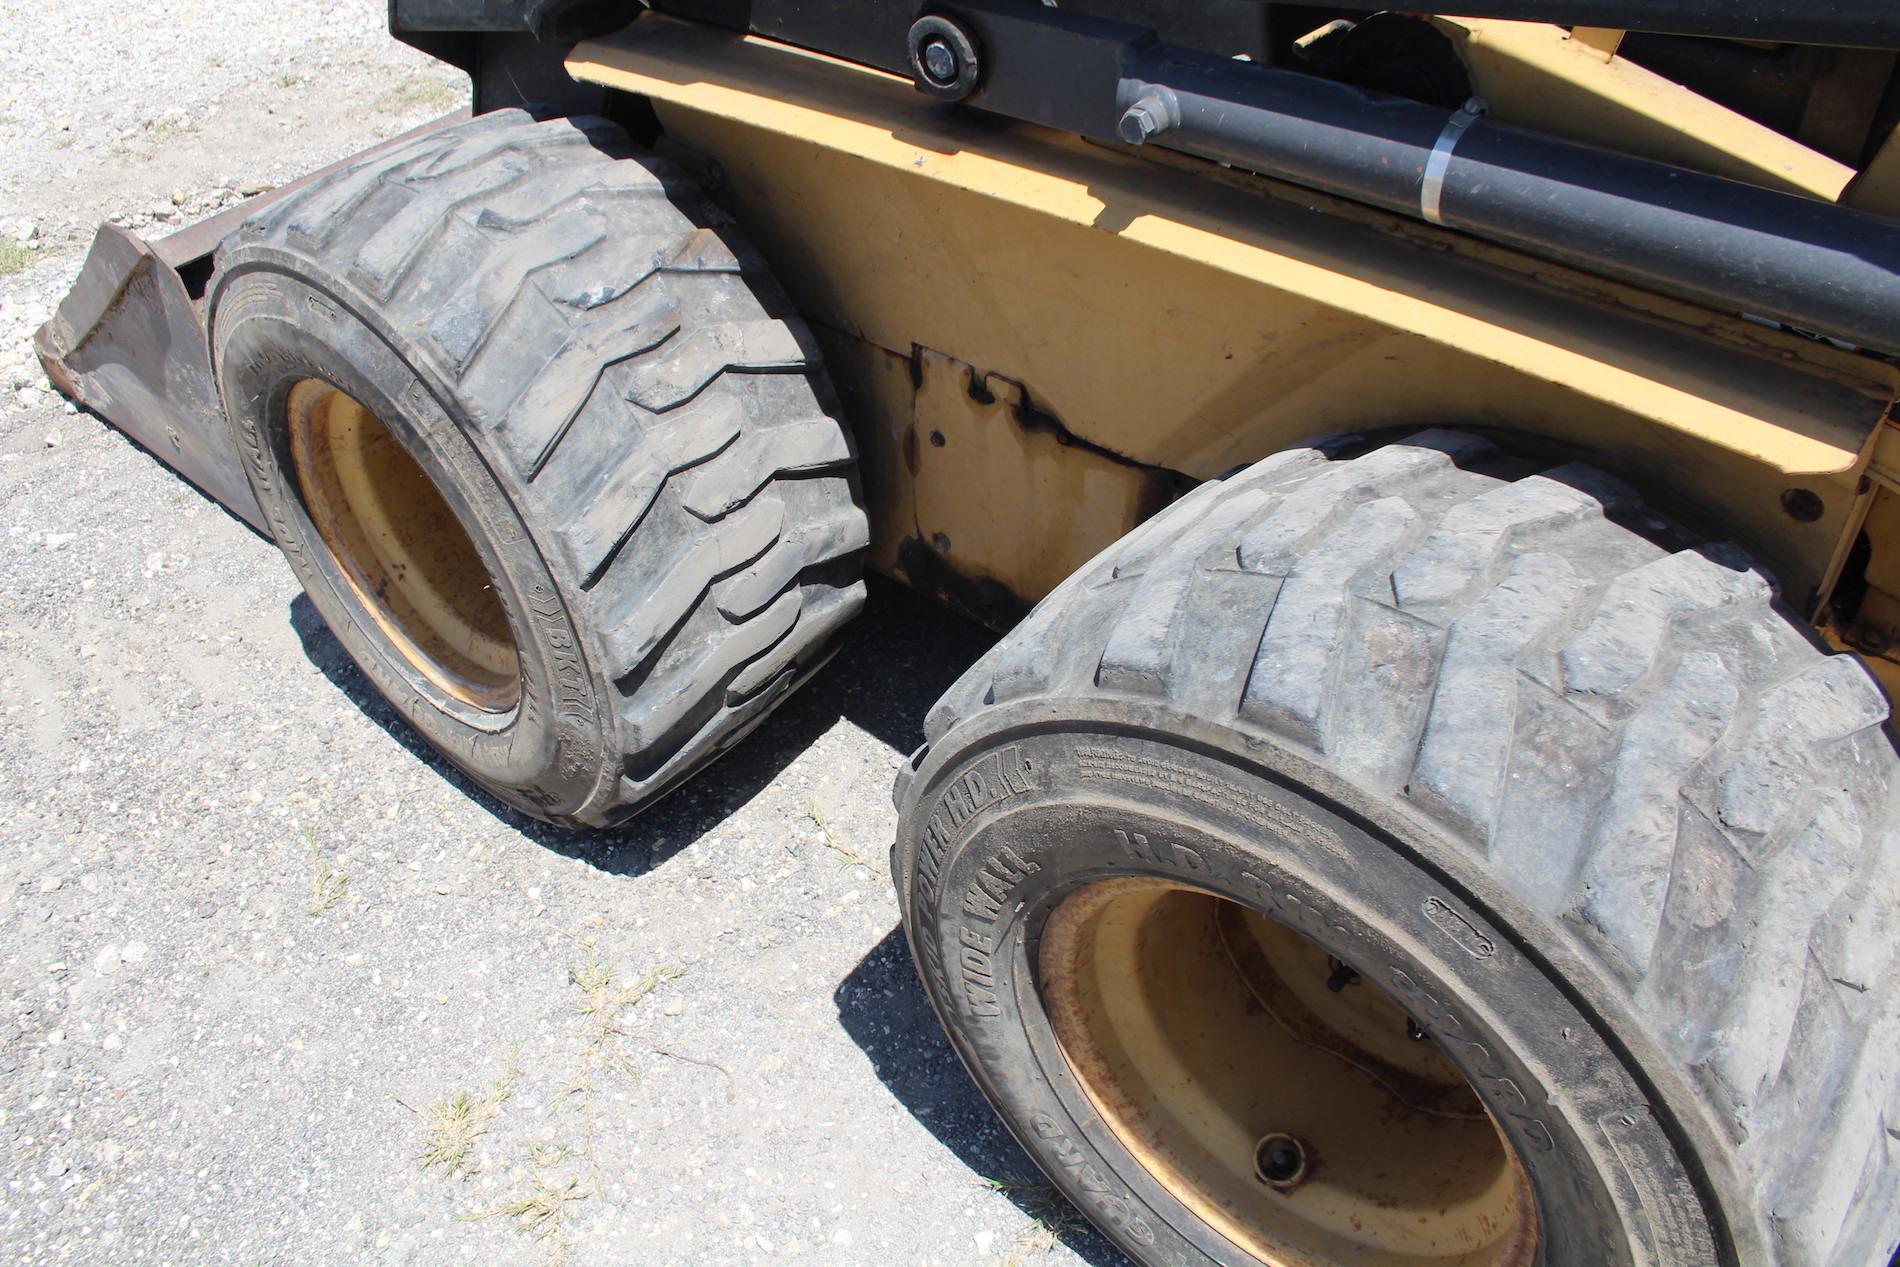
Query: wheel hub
[
  {"x": 1273, "y": 1092},
  {"x": 407, "y": 558}
]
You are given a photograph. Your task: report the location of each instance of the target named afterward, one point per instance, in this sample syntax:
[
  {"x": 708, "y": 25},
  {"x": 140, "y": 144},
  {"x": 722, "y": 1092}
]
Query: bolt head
[
  {"x": 940, "y": 61},
  {"x": 1138, "y": 124}
]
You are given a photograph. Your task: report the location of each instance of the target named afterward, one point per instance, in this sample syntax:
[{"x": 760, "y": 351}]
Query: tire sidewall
[
  {"x": 1015, "y": 805},
  {"x": 276, "y": 320}
]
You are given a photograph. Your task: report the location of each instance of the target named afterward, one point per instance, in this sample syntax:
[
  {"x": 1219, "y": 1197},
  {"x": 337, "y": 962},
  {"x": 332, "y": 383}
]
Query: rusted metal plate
[{"x": 128, "y": 344}]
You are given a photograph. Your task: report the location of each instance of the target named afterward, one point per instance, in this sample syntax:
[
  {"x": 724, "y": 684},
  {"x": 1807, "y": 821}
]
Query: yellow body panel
[{"x": 1170, "y": 320}]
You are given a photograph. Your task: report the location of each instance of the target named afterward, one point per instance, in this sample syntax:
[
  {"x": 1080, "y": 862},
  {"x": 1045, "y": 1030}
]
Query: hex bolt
[
  {"x": 1281, "y": 1161},
  {"x": 1153, "y": 113},
  {"x": 944, "y": 57},
  {"x": 1141, "y": 122},
  {"x": 940, "y": 61}
]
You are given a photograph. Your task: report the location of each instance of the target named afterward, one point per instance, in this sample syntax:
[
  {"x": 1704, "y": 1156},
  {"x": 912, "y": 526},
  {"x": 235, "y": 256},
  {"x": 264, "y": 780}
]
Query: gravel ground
[{"x": 280, "y": 986}]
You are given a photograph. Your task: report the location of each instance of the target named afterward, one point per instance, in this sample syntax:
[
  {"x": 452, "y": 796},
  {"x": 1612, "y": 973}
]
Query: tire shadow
[
  {"x": 892, "y": 663},
  {"x": 881, "y": 1005}
]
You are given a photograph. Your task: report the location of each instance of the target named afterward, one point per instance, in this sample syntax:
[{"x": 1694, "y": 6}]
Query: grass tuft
[
  {"x": 328, "y": 886},
  {"x": 603, "y": 998},
  {"x": 847, "y": 856},
  {"x": 457, "y": 1121},
  {"x": 16, "y": 255},
  {"x": 1052, "y": 1214},
  {"x": 541, "y": 1212}
]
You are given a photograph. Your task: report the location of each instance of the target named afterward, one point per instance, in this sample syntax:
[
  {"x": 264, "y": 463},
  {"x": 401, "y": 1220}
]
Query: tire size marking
[
  {"x": 574, "y": 702},
  {"x": 997, "y": 777}
]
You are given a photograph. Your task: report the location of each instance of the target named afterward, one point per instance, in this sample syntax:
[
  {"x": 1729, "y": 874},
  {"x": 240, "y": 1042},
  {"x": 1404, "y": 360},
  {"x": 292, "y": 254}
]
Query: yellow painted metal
[
  {"x": 1600, "y": 40},
  {"x": 400, "y": 548},
  {"x": 1206, "y": 1034},
  {"x": 1171, "y": 314},
  {"x": 1541, "y": 76},
  {"x": 1877, "y": 188},
  {"x": 966, "y": 482},
  {"x": 1869, "y": 564}
]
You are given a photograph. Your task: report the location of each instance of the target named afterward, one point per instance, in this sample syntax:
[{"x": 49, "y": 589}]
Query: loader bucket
[{"x": 128, "y": 341}]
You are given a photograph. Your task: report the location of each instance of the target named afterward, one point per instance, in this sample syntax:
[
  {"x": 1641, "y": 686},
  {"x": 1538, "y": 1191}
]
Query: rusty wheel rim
[
  {"x": 406, "y": 557},
  {"x": 1279, "y": 1097}
]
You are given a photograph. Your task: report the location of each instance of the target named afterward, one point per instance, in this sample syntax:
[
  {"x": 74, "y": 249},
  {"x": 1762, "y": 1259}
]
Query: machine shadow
[
  {"x": 881, "y": 1005},
  {"x": 892, "y": 664}
]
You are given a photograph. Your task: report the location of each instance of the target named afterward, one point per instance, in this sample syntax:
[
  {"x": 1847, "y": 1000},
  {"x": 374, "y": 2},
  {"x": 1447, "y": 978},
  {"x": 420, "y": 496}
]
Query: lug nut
[{"x": 1280, "y": 1161}]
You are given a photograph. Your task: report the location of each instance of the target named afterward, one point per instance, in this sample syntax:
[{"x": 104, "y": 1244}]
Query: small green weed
[
  {"x": 541, "y": 1212},
  {"x": 847, "y": 856},
  {"x": 456, "y": 1121},
  {"x": 328, "y": 886},
  {"x": 16, "y": 255}
]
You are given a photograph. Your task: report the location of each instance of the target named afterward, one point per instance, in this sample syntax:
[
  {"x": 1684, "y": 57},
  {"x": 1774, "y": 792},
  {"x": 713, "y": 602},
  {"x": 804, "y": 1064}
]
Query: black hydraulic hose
[
  {"x": 1796, "y": 260},
  {"x": 1733, "y": 246}
]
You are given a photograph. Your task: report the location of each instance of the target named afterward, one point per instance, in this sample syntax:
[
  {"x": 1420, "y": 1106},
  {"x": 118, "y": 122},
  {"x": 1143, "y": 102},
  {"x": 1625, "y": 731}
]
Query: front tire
[
  {"x": 548, "y": 452},
  {"x": 1369, "y": 746}
]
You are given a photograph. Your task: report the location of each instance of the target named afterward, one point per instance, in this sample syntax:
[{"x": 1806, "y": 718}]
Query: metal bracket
[{"x": 1432, "y": 188}]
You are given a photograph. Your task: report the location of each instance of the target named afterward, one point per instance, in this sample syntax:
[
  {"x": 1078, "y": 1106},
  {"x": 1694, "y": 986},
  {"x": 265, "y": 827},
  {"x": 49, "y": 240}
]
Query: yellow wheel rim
[
  {"x": 1285, "y": 1101},
  {"x": 406, "y": 557}
]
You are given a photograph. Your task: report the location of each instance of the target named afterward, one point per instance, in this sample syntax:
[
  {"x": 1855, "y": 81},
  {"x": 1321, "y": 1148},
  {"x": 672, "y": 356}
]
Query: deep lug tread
[
  {"x": 1295, "y": 668},
  {"x": 462, "y": 325},
  {"x": 615, "y": 503},
  {"x": 638, "y": 622},
  {"x": 651, "y": 328},
  {"x": 793, "y": 447},
  {"x": 388, "y": 254},
  {"x": 689, "y": 365},
  {"x": 540, "y": 418},
  {"x": 1732, "y": 866}
]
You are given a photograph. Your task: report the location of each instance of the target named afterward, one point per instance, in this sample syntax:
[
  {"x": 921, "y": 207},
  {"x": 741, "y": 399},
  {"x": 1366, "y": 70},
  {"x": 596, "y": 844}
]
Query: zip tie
[{"x": 1433, "y": 186}]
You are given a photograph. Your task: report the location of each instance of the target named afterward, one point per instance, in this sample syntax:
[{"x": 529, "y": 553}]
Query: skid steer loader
[{"x": 1439, "y": 475}]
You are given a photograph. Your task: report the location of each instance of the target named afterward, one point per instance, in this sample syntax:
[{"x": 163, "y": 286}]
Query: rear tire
[
  {"x": 548, "y": 451},
  {"x": 1595, "y": 816}
]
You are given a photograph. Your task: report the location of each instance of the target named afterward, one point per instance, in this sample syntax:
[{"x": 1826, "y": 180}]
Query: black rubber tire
[
  {"x": 617, "y": 404},
  {"x": 1613, "y": 829}
]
